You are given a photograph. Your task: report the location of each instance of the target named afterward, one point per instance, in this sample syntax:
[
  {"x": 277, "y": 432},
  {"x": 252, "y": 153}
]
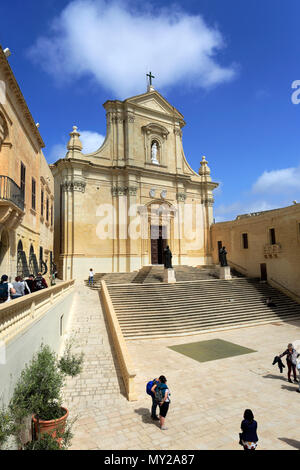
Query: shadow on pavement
[
  {"x": 271, "y": 376},
  {"x": 146, "y": 417},
  {"x": 291, "y": 442}
]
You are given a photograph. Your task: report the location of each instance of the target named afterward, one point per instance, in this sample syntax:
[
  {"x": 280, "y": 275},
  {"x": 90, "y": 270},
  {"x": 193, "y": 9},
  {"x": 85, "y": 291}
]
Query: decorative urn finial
[
  {"x": 204, "y": 169},
  {"x": 74, "y": 145}
]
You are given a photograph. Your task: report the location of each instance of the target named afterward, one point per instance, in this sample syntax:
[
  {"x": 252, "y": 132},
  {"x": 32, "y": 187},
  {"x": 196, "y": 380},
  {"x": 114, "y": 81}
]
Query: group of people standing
[{"x": 20, "y": 287}]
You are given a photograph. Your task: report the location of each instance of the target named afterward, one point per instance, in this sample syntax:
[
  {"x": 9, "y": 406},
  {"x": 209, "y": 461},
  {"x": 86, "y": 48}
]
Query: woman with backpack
[
  {"x": 162, "y": 397},
  {"x": 6, "y": 289}
]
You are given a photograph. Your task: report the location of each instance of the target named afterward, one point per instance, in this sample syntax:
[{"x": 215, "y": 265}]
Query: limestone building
[
  {"x": 26, "y": 185},
  {"x": 264, "y": 245},
  {"x": 117, "y": 208}
]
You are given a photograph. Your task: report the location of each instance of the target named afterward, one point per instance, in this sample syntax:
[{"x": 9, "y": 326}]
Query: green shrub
[
  {"x": 71, "y": 364},
  {"x": 7, "y": 426},
  {"x": 38, "y": 390}
]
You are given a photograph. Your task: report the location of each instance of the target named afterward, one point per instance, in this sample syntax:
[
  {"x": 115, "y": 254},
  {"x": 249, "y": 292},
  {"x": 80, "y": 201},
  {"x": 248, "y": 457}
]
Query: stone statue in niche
[{"x": 154, "y": 151}]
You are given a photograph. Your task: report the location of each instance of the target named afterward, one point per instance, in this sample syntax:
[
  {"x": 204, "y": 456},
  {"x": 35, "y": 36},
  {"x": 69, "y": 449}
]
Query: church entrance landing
[{"x": 158, "y": 243}]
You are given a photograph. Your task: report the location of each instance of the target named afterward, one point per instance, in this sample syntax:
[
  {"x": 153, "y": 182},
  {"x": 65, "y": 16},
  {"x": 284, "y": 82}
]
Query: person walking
[
  {"x": 154, "y": 383},
  {"x": 19, "y": 286},
  {"x": 298, "y": 367},
  {"x": 30, "y": 284},
  {"x": 91, "y": 277},
  {"x": 40, "y": 283},
  {"x": 6, "y": 289},
  {"x": 162, "y": 397},
  {"x": 291, "y": 361},
  {"x": 248, "y": 437}
]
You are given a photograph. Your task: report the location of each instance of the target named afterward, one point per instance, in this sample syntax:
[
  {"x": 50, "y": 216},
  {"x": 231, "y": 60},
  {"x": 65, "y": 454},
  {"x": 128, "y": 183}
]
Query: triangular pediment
[{"x": 155, "y": 101}]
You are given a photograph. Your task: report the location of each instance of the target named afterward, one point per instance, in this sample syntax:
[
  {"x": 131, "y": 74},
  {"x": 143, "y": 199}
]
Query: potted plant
[{"x": 38, "y": 393}]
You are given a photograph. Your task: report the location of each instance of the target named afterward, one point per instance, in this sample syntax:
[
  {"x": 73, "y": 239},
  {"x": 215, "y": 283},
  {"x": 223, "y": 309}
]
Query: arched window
[
  {"x": 22, "y": 265},
  {"x": 33, "y": 264}
]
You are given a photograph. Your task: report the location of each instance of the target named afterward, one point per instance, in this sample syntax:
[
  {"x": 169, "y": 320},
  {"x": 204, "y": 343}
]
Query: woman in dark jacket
[
  {"x": 291, "y": 355},
  {"x": 248, "y": 436}
]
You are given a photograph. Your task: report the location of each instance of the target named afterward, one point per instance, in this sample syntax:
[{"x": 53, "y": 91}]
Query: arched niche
[
  {"x": 4, "y": 252},
  {"x": 155, "y": 133}
]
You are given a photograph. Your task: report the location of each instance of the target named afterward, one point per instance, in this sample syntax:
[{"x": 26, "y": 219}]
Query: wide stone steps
[
  {"x": 156, "y": 310},
  {"x": 154, "y": 274}
]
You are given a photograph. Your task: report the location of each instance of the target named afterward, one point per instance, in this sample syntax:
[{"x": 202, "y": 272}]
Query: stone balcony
[
  {"x": 272, "y": 251},
  {"x": 11, "y": 203}
]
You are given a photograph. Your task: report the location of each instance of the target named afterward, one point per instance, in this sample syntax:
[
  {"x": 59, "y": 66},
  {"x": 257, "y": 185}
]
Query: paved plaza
[{"x": 207, "y": 399}]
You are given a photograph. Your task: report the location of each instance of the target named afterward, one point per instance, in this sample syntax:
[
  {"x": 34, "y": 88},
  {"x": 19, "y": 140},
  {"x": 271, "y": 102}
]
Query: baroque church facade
[{"x": 117, "y": 209}]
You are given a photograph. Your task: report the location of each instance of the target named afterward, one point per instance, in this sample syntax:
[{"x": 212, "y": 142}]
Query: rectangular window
[
  {"x": 245, "y": 240},
  {"x": 23, "y": 179},
  {"x": 33, "y": 194},
  {"x": 41, "y": 258},
  {"x": 51, "y": 215},
  {"x": 272, "y": 236},
  {"x": 42, "y": 202},
  {"x": 47, "y": 210},
  {"x": 61, "y": 325}
]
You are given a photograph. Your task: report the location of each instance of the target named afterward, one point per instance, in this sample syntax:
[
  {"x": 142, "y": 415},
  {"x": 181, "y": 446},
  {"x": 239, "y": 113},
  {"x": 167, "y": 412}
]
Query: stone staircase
[
  {"x": 151, "y": 274},
  {"x": 153, "y": 310}
]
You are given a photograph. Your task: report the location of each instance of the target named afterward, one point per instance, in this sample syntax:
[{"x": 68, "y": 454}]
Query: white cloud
[
  {"x": 117, "y": 45},
  {"x": 278, "y": 181},
  {"x": 56, "y": 152},
  {"x": 91, "y": 141}
]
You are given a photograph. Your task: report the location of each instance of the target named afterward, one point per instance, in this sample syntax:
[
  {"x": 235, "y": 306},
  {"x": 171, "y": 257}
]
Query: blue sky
[{"x": 226, "y": 65}]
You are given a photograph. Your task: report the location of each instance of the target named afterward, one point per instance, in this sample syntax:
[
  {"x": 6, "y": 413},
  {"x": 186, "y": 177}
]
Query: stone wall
[
  {"x": 272, "y": 239},
  {"x": 42, "y": 317}
]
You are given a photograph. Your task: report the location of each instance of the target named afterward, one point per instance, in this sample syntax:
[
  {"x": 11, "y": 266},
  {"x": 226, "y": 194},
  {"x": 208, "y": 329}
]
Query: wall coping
[
  {"x": 19, "y": 314},
  {"x": 124, "y": 358}
]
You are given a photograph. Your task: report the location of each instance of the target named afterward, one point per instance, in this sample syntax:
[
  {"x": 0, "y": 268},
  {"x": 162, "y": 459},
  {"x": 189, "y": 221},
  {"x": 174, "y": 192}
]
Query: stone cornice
[
  {"x": 13, "y": 84},
  {"x": 139, "y": 171}
]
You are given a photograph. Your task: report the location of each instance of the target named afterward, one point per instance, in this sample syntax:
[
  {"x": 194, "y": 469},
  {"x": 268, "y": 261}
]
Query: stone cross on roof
[{"x": 150, "y": 78}]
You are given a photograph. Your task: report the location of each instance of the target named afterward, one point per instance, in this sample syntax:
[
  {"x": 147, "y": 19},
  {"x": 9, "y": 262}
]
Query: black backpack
[
  {"x": 3, "y": 292},
  {"x": 39, "y": 283}
]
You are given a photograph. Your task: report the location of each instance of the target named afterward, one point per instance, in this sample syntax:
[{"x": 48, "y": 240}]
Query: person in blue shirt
[{"x": 165, "y": 400}]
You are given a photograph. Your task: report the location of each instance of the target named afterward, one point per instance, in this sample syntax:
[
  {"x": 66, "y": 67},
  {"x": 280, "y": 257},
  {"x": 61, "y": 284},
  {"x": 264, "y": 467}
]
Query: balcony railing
[{"x": 10, "y": 191}]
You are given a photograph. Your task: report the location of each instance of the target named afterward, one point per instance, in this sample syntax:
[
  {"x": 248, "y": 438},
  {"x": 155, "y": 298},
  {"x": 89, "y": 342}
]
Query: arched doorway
[
  {"x": 4, "y": 253},
  {"x": 22, "y": 265},
  {"x": 160, "y": 222},
  {"x": 33, "y": 264}
]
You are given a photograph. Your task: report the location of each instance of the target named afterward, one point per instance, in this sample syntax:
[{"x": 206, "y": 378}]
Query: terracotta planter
[{"x": 51, "y": 426}]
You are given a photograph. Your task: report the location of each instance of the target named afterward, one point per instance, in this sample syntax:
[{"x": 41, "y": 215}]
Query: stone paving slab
[{"x": 207, "y": 399}]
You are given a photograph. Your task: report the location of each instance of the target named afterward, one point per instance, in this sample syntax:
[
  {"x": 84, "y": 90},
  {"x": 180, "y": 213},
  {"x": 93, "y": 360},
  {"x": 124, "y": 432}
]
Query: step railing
[
  {"x": 18, "y": 314},
  {"x": 237, "y": 267},
  {"x": 284, "y": 289},
  {"x": 123, "y": 355}
]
